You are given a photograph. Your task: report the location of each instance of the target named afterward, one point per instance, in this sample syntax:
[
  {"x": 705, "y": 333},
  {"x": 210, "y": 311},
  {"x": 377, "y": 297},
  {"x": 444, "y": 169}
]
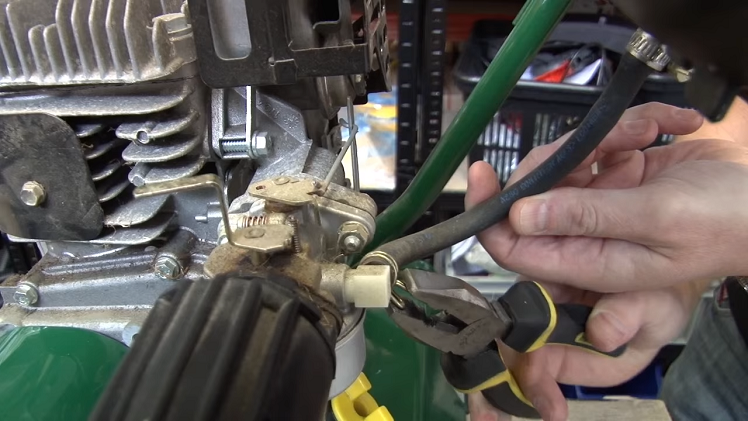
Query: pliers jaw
[{"x": 465, "y": 324}]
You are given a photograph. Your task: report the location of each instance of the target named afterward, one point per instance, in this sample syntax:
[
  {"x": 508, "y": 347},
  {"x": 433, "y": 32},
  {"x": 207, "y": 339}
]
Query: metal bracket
[{"x": 267, "y": 239}]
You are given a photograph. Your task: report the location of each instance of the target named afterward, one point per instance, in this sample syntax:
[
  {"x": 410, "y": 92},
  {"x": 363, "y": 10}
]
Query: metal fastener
[
  {"x": 352, "y": 237},
  {"x": 254, "y": 233},
  {"x": 648, "y": 49},
  {"x": 26, "y": 294},
  {"x": 257, "y": 146},
  {"x": 352, "y": 244},
  {"x": 260, "y": 144},
  {"x": 32, "y": 193},
  {"x": 167, "y": 267}
]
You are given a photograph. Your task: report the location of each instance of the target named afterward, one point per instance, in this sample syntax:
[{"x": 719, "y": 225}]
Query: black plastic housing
[{"x": 231, "y": 348}]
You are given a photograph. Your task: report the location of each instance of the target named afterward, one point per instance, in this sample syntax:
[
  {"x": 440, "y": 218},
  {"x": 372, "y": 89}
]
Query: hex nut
[
  {"x": 167, "y": 267},
  {"x": 26, "y": 294},
  {"x": 352, "y": 237},
  {"x": 260, "y": 145},
  {"x": 32, "y": 193}
]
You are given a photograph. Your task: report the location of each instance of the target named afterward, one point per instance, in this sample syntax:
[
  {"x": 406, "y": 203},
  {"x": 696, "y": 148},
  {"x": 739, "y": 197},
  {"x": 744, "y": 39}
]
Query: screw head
[
  {"x": 167, "y": 267},
  {"x": 352, "y": 243},
  {"x": 26, "y": 294},
  {"x": 32, "y": 193}
]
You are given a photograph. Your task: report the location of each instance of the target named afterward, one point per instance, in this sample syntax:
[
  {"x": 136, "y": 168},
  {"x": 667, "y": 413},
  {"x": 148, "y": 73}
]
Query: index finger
[{"x": 637, "y": 128}]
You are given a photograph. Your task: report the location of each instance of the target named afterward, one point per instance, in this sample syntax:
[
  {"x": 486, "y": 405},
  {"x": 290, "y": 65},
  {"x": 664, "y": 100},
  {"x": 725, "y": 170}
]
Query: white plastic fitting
[{"x": 368, "y": 286}]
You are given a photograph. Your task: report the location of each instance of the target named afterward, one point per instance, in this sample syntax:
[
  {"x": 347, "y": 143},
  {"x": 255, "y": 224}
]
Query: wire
[
  {"x": 354, "y": 149},
  {"x": 603, "y": 116},
  {"x": 352, "y": 130}
]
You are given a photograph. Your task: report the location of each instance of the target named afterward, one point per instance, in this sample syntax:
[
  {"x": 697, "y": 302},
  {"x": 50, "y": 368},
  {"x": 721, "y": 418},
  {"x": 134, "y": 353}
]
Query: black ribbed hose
[{"x": 603, "y": 116}]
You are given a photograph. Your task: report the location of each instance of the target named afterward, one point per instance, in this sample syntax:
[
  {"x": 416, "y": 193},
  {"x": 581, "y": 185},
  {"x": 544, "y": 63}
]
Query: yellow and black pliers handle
[{"x": 535, "y": 321}]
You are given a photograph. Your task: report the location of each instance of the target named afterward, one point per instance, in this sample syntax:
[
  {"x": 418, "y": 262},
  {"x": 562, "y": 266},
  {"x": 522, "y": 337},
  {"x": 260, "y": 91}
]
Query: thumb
[
  {"x": 583, "y": 212},
  {"x": 616, "y": 319}
]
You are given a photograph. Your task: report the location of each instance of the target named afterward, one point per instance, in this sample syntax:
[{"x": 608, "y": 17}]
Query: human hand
[
  {"x": 646, "y": 220},
  {"x": 644, "y": 320}
]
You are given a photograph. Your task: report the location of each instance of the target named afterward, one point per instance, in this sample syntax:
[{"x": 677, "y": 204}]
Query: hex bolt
[
  {"x": 352, "y": 237},
  {"x": 352, "y": 243},
  {"x": 26, "y": 294},
  {"x": 32, "y": 193},
  {"x": 260, "y": 144},
  {"x": 167, "y": 267},
  {"x": 257, "y": 146}
]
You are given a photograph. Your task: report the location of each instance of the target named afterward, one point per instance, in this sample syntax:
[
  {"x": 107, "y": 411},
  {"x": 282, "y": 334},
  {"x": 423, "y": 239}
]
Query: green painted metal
[
  {"x": 54, "y": 373},
  {"x": 405, "y": 375},
  {"x": 532, "y": 26}
]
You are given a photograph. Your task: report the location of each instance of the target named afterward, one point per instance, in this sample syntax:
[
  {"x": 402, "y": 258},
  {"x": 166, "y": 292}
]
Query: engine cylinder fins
[
  {"x": 113, "y": 186},
  {"x": 105, "y": 168},
  {"x": 144, "y": 129},
  {"x": 144, "y": 173},
  {"x": 161, "y": 150},
  {"x": 101, "y": 100},
  {"x": 133, "y": 212},
  {"x": 70, "y": 42},
  {"x": 103, "y": 153}
]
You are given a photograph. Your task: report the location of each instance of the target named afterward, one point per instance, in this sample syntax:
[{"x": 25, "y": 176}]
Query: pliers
[{"x": 464, "y": 325}]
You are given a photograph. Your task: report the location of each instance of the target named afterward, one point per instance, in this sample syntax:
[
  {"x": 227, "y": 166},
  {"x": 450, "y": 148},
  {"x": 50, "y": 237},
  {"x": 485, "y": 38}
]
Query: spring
[
  {"x": 252, "y": 221},
  {"x": 292, "y": 221}
]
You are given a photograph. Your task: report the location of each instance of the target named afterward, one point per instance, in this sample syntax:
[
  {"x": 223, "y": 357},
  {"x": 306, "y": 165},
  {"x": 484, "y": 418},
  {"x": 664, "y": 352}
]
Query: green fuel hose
[{"x": 534, "y": 23}]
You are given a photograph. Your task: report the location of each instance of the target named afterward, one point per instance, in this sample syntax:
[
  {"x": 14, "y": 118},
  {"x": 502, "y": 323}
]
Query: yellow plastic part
[{"x": 356, "y": 404}]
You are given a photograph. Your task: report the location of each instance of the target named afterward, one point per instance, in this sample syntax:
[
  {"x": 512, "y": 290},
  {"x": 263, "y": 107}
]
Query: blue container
[{"x": 646, "y": 385}]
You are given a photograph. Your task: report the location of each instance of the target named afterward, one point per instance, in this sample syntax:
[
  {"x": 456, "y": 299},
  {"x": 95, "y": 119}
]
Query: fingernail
[
  {"x": 636, "y": 127},
  {"x": 619, "y": 329},
  {"x": 533, "y": 217},
  {"x": 684, "y": 114}
]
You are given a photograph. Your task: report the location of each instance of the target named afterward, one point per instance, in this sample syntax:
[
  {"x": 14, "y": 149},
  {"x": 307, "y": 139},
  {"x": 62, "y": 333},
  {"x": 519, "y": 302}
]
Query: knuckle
[{"x": 582, "y": 219}]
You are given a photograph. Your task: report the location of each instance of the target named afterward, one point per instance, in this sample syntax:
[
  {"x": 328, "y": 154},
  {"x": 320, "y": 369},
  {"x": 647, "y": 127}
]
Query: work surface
[{"x": 623, "y": 410}]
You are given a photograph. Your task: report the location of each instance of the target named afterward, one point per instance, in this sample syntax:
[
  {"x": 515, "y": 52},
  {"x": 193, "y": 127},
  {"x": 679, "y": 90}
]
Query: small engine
[{"x": 147, "y": 142}]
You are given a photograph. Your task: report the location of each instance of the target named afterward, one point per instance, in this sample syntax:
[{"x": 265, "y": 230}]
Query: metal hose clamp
[
  {"x": 377, "y": 257},
  {"x": 648, "y": 49}
]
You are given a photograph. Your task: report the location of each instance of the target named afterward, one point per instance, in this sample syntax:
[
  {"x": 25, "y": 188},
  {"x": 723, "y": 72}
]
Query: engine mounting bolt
[
  {"x": 32, "y": 193},
  {"x": 26, "y": 294},
  {"x": 167, "y": 267},
  {"x": 254, "y": 233},
  {"x": 352, "y": 243}
]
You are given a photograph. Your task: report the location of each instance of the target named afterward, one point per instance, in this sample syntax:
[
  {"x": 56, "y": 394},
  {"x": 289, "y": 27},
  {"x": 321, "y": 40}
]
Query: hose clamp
[{"x": 648, "y": 49}]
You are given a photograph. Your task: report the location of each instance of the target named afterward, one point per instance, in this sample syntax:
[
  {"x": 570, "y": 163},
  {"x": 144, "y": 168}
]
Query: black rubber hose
[{"x": 601, "y": 119}]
